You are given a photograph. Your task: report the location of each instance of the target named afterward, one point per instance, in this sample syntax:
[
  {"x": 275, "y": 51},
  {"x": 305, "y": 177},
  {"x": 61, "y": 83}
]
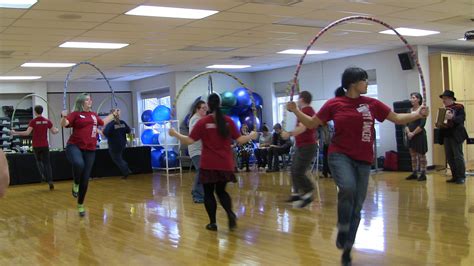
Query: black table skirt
[{"x": 23, "y": 169}]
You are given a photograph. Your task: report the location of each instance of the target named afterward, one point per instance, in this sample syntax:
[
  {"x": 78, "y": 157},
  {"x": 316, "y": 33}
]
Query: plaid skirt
[{"x": 207, "y": 176}]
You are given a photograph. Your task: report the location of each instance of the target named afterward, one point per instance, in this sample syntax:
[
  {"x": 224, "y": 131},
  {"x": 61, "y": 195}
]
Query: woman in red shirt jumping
[
  {"x": 81, "y": 146},
  {"x": 351, "y": 150},
  {"x": 216, "y": 131}
]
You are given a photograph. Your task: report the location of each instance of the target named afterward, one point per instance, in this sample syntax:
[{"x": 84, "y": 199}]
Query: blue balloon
[
  {"x": 258, "y": 99},
  {"x": 155, "y": 139},
  {"x": 250, "y": 121},
  {"x": 161, "y": 113},
  {"x": 155, "y": 158},
  {"x": 243, "y": 97},
  {"x": 147, "y": 136},
  {"x": 173, "y": 160},
  {"x": 237, "y": 122},
  {"x": 237, "y": 111},
  {"x": 147, "y": 117}
]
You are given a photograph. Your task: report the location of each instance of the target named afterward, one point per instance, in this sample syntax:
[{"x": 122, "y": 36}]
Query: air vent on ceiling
[
  {"x": 144, "y": 65},
  {"x": 98, "y": 78},
  {"x": 194, "y": 48},
  {"x": 6, "y": 52},
  {"x": 272, "y": 2},
  {"x": 239, "y": 57},
  {"x": 301, "y": 22}
]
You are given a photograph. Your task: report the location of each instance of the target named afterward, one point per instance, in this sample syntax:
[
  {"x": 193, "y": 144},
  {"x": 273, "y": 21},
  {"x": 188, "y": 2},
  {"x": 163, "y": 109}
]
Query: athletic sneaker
[
  {"x": 211, "y": 227},
  {"x": 305, "y": 200},
  {"x": 75, "y": 190},
  {"x": 81, "y": 209},
  {"x": 293, "y": 198}
]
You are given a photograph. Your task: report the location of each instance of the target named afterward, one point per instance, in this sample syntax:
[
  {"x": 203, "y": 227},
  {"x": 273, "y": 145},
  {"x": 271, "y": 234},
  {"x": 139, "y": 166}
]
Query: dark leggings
[
  {"x": 210, "y": 200},
  {"x": 82, "y": 161},
  {"x": 43, "y": 163}
]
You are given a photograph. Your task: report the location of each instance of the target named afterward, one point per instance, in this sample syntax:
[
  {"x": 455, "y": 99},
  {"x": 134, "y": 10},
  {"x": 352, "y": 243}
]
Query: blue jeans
[
  {"x": 352, "y": 178},
  {"x": 82, "y": 162},
  {"x": 198, "y": 190},
  {"x": 117, "y": 158}
]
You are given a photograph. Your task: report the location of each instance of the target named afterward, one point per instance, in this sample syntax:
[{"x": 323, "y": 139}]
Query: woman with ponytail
[
  {"x": 216, "y": 131},
  {"x": 351, "y": 149}
]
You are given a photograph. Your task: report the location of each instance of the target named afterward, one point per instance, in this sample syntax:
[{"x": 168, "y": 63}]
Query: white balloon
[{"x": 165, "y": 138}]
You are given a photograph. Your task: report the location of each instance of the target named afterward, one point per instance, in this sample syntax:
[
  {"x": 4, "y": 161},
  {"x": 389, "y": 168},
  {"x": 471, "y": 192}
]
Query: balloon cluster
[
  {"x": 238, "y": 105},
  {"x": 158, "y": 158}
]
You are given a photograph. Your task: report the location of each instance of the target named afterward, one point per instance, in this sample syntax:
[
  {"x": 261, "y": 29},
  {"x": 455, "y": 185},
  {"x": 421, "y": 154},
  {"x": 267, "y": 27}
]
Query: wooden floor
[{"x": 151, "y": 220}]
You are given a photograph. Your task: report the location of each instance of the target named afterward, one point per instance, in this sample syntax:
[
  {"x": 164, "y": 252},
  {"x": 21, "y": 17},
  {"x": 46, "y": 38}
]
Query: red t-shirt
[
  {"x": 354, "y": 125},
  {"x": 216, "y": 151},
  {"x": 309, "y": 135},
  {"x": 84, "y": 133},
  {"x": 40, "y": 127}
]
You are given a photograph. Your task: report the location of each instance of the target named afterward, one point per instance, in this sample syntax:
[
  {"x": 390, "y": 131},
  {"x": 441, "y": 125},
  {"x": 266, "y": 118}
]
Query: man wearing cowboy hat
[{"x": 452, "y": 135}]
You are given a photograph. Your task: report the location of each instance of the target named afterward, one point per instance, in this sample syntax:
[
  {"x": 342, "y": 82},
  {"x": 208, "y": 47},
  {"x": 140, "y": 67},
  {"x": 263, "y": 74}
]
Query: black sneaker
[
  {"x": 211, "y": 227},
  {"x": 51, "y": 187},
  {"x": 452, "y": 180},
  {"x": 232, "y": 221},
  {"x": 411, "y": 177},
  {"x": 304, "y": 202},
  {"x": 460, "y": 180},
  {"x": 346, "y": 259},
  {"x": 293, "y": 198},
  {"x": 422, "y": 177}
]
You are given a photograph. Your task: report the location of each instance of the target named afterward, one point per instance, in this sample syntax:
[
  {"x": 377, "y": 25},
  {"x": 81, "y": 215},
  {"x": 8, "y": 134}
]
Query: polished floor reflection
[{"x": 151, "y": 220}]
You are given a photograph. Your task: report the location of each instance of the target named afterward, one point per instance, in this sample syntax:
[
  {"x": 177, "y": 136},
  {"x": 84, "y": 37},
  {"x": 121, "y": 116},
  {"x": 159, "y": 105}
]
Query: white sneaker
[
  {"x": 6, "y": 130},
  {"x": 5, "y": 122}
]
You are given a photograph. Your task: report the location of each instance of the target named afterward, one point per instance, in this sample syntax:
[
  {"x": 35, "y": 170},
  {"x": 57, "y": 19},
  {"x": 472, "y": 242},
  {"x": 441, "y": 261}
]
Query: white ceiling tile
[
  {"x": 85, "y": 6},
  {"x": 68, "y": 16},
  {"x": 272, "y": 10},
  {"x": 54, "y": 24}
]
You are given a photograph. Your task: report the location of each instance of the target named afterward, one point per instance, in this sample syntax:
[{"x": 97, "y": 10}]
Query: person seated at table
[
  {"x": 278, "y": 147},
  {"x": 264, "y": 142},
  {"x": 245, "y": 150}
]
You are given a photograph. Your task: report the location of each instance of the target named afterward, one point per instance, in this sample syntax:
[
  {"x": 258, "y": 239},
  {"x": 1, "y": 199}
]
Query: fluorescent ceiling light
[
  {"x": 48, "y": 64},
  {"x": 17, "y": 3},
  {"x": 462, "y": 39},
  {"x": 93, "y": 45},
  {"x": 170, "y": 12},
  {"x": 19, "y": 77},
  {"x": 229, "y": 66},
  {"x": 298, "y": 51},
  {"x": 410, "y": 32}
]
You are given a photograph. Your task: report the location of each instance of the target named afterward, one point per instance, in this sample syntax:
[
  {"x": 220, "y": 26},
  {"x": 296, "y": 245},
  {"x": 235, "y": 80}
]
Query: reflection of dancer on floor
[
  {"x": 81, "y": 146},
  {"x": 39, "y": 126},
  {"x": 351, "y": 150},
  {"x": 216, "y": 131},
  {"x": 305, "y": 142},
  {"x": 4, "y": 174}
]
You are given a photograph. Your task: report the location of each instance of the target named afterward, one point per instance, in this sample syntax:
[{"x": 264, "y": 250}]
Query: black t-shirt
[{"x": 116, "y": 134}]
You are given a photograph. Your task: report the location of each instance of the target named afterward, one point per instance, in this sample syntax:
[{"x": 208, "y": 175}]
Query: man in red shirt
[
  {"x": 305, "y": 139},
  {"x": 39, "y": 126}
]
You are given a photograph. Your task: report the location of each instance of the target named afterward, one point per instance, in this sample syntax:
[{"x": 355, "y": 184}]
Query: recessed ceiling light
[
  {"x": 19, "y": 77},
  {"x": 17, "y": 3},
  {"x": 299, "y": 51},
  {"x": 93, "y": 45},
  {"x": 229, "y": 66},
  {"x": 410, "y": 32},
  {"x": 170, "y": 12},
  {"x": 48, "y": 64}
]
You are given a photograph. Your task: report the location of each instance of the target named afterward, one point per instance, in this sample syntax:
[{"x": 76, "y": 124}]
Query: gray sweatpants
[{"x": 299, "y": 165}]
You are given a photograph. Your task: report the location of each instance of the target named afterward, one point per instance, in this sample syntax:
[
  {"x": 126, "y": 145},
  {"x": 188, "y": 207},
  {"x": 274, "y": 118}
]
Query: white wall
[{"x": 322, "y": 78}]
